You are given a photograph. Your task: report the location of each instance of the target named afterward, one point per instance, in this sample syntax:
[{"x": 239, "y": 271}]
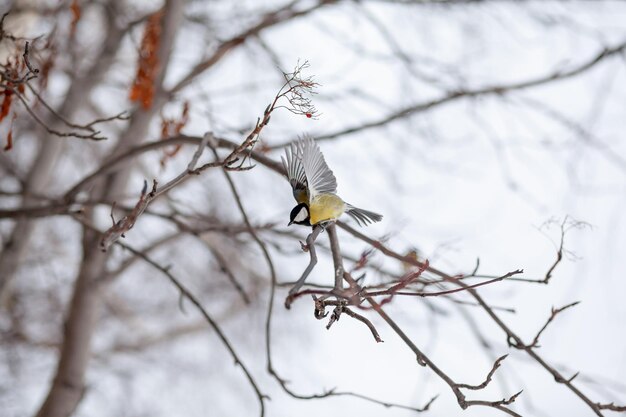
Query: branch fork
[{"x": 127, "y": 222}]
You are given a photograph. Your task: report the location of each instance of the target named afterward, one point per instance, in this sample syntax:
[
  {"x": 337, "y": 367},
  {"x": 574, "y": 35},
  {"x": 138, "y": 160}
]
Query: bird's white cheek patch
[{"x": 301, "y": 216}]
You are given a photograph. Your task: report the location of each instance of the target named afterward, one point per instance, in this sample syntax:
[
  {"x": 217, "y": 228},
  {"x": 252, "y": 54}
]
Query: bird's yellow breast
[{"x": 325, "y": 207}]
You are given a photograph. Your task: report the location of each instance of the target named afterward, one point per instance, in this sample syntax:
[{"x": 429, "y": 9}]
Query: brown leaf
[
  {"x": 172, "y": 127},
  {"x": 9, "y": 144},
  {"x": 75, "y": 10},
  {"x": 47, "y": 62},
  {"x": 5, "y": 107},
  {"x": 142, "y": 90},
  {"x": 184, "y": 118}
]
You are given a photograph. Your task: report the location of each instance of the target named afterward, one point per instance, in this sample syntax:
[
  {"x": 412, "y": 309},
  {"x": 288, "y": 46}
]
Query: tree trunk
[{"x": 68, "y": 385}]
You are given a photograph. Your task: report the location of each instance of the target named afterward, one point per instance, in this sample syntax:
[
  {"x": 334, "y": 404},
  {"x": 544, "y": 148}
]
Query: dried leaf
[
  {"x": 47, "y": 62},
  {"x": 169, "y": 154},
  {"x": 184, "y": 118},
  {"x": 165, "y": 127},
  {"x": 75, "y": 10},
  {"x": 142, "y": 90},
  {"x": 9, "y": 144},
  {"x": 173, "y": 127},
  {"x": 5, "y": 107}
]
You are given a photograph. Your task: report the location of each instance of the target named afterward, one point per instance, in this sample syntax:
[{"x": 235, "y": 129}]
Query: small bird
[{"x": 315, "y": 188}]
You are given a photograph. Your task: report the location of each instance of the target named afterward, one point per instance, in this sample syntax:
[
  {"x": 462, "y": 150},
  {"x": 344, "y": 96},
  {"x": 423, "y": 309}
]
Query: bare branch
[
  {"x": 284, "y": 14},
  {"x": 309, "y": 247},
  {"x": 422, "y": 359},
  {"x": 487, "y": 380},
  {"x": 88, "y": 127},
  {"x": 512, "y": 337},
  {"x": 91, "y": 136},
  {"x": 127, "y": 222},
  {"x": 611, "y": 407},
  {"x": 553, "y": 314},
  {"x": 499, "y": 405},
  {"x": 229, "y": 274},
  {"x": 390, "y": 293},
  {"x": 189, "y": 296},
  {"x": 557, "y": 75},
  {"x": 566, "y": 225},
  {"x": 118, "y": 229},
  {"x": 295, "y": 91},
  {"x": 365, "y": 321}
]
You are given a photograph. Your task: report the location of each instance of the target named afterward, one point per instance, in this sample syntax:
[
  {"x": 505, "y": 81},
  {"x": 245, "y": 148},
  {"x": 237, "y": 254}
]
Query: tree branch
[
  {"x": 196, "y": 303},
  {"x": 484, "y": 91}
]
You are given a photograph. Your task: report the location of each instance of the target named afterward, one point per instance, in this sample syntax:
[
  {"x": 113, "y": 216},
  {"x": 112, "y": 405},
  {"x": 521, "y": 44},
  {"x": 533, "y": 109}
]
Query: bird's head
[{"x": 300, "y": 215}]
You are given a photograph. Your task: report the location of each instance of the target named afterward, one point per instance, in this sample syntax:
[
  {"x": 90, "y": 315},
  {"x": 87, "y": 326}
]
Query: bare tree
[{"x": 141, "y": 181}]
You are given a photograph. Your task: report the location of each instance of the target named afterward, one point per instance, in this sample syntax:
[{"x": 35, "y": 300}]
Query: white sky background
[{"x": 474, "y": 178}]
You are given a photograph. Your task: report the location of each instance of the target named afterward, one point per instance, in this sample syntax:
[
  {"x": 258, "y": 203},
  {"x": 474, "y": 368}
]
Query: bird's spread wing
[
  {"x": 320, "y": 179},
  {"x": 292, "y": 162},
  {"x": 307, "y": 171}
]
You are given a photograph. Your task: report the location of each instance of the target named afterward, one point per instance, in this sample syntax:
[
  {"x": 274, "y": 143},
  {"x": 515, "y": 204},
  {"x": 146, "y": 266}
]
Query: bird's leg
[
  {"x": 310, "y": 245},
  {"x": 325, "y": 224},
  {"x": 322, "y": 226}
]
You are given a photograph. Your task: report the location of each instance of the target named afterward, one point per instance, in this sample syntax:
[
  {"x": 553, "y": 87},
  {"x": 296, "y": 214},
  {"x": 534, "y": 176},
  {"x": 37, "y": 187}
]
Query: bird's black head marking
[{"x": 300, "y": 215}]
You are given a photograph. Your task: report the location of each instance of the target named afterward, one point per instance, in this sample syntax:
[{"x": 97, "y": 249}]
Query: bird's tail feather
[{"x": 363, "y": 217}]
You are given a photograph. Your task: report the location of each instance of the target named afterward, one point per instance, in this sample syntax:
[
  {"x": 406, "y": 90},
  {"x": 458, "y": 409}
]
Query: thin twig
[
  {"x": 487, "y": 380},
  {"x": 565, "y": 226},
  {"x": 390, "y": 292},
  {"x": 364, "y": 320},
  {"x": 310, "y": 247},
  {"x": 127, "y": 222},
  {"x": 189, "y": 296},
  {"x": 92, "y": 136},
  {"x": 553, "y": 314},
  {"x": 611, "y": 407},
  {"x": 221, "y": 260},
  {"x": 511, "y": 336},
  {"x": 118, "y": 229},
  {"x": 472, "y": 93},
  {"x": 88, "y": 127}
]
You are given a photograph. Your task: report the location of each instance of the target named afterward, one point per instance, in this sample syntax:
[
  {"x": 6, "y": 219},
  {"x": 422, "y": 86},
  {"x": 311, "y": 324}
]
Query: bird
[{"x": 314, "y": 188}]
